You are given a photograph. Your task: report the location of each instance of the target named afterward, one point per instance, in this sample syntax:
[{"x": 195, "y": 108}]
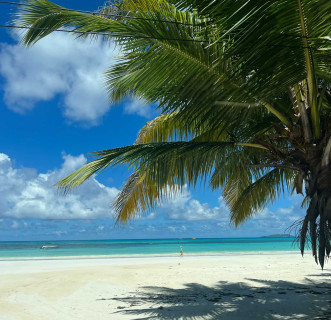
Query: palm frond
[
  {"x": 268, "y": 38},
  {"x": 246, "y": 199},
  {"x": 138, "y": 196},
  {"x": 165, "y": 127},
  {"x": 161, "y": 160}
]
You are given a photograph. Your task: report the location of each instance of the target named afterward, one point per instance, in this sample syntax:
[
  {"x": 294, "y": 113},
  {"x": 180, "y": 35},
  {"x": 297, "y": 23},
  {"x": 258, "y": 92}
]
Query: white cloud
[
  {"x": 27, "y": 194},
  {"x": 184, "y": 207},
  {"x": 222, "y": 224},
  {"x": 14, "y": 225},
  {"x": 285, "y": 211},
  {"x": 149, "y": 216},
  {"x": 177, "y": 228},
  {"x": 138, "y": 107},
  {"x": 280, "y": 215},
  {"x": 58, "y": 64},
  {"x": 60, "y": 233},
  {"x": 151, "y": 228},
  {"x": 62, "y": 65}
]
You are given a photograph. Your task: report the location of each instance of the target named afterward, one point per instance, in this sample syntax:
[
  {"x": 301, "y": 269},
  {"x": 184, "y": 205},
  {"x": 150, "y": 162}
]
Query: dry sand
[{"x": 260, "y": 286}]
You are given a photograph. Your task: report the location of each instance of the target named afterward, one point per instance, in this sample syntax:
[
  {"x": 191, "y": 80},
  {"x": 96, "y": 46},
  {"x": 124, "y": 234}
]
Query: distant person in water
[{"x": 181, "y": 251}]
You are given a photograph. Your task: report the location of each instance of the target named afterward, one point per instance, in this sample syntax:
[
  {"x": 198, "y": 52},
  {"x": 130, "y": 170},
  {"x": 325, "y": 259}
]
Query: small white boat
[{"x": 49, "y": 246}]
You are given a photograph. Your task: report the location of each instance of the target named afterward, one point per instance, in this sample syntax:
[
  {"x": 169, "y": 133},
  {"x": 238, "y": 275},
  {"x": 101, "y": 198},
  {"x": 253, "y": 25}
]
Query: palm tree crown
[{"x": 244, "y": 92}]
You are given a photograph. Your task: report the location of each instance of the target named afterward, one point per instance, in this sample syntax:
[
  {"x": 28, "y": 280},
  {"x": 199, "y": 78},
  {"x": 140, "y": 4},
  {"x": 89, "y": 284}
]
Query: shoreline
[{"x": 132, "y": 256}]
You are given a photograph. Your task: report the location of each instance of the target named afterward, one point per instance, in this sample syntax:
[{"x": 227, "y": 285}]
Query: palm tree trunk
[{"x": 318, "y": 216}]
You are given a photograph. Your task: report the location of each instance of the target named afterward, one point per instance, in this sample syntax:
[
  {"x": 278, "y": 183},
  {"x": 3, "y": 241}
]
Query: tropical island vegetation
[{"x": 244, "y": 94}]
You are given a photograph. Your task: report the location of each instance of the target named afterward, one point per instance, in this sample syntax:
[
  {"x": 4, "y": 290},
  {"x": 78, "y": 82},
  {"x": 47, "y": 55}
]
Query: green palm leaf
[
  {"x": 152, "y": 157},
  {"x": 139, "y": 195},
  {"x": 245, "y": 200}
]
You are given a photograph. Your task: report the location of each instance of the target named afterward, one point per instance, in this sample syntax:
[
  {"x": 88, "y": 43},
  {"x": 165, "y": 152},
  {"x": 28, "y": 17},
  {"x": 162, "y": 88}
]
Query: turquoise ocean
[{"x": 167, "y": 247}]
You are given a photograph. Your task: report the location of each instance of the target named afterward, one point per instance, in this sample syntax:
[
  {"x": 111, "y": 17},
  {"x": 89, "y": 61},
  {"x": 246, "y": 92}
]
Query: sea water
[{"x": 33, "y": 249}]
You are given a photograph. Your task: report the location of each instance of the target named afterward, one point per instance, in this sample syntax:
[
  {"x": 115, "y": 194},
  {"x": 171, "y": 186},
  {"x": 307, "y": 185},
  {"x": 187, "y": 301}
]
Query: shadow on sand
[{"x": 228, "y": 301}]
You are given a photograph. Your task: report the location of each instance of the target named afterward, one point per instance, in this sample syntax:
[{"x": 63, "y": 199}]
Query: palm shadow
[{"x": 269, "y": 300}]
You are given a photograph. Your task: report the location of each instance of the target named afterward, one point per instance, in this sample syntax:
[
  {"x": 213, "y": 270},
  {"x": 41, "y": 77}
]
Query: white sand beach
[{"x": 250, "y": 286}]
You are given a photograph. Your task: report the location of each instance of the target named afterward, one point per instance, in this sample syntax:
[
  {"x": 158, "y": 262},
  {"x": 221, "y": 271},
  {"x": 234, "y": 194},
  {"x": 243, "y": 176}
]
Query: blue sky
[{"x": 53, "y": 111}]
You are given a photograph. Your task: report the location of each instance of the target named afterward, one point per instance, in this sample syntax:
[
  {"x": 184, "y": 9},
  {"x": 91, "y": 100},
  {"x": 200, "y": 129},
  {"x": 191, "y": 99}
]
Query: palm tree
[{"x": 244, "y": 92}]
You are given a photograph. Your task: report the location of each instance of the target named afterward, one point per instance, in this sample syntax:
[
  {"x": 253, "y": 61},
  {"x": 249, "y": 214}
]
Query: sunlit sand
[{"x": 250, "y": 286}]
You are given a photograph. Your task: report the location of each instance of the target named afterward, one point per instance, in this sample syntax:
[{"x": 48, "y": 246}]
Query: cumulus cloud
[
  {"x": 177, "y": 229},
  {"x": 286, "y": 214},
  {"x": 28, "y": 194},
  {"x": 60, "y": 65},
  {"x": 14, "y": 225},
  {"x": 151, "y": 228},
  {"x": 184, "y": 207},
  {"x": 60, "y": 233},
  {"x": 211, "y": 218},
  {"x": 149, "y": 216},
  {"x": 172, "y": 228},
  {"x": 138, "y": 107}
]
